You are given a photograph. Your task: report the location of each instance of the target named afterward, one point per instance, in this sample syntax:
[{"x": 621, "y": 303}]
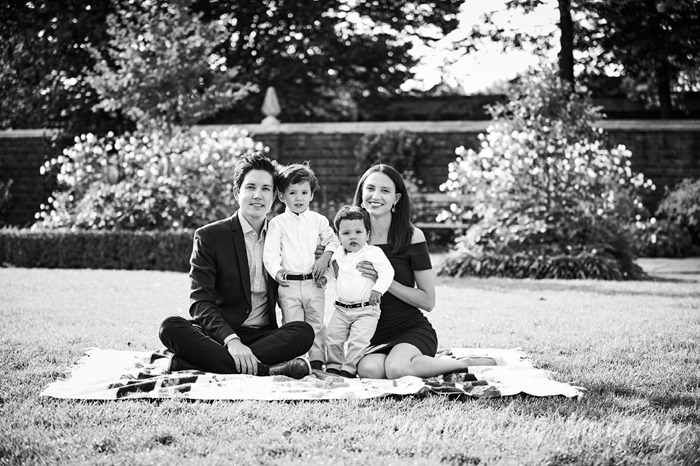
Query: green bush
[
  {"x": 144, "y": 181},
  {"x": 404, "y": 151},
  {"x": 681, "y": 206},
  {"x": 400, "y": 149},
  {"x": 675, "y": 232},
  {"x": 546, "y": 183},
  {"x": 663, "y": 238},
  {"x": 90, "y": 249}
]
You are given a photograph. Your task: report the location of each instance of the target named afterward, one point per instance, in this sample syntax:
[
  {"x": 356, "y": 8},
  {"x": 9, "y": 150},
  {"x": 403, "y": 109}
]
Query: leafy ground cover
[{"x": 634, "y": 346}]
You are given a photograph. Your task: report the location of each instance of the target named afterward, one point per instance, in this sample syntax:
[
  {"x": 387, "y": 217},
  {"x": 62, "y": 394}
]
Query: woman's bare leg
[
  {"x": 405, "y": 359},
  {"x": 372, "y": 366}
]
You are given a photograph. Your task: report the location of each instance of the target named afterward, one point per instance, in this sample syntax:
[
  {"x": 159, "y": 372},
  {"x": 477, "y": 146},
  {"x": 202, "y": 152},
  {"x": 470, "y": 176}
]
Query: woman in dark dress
[{"x": 405, "y": 342}]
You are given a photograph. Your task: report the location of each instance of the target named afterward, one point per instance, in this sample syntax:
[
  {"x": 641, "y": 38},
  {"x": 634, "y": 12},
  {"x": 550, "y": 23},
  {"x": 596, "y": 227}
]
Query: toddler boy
[{"x": 357, "y": 308}]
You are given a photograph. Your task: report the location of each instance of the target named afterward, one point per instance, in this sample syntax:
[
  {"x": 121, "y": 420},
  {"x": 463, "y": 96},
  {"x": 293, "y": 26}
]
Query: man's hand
[
  {"x": 375, "y": 297},
  {"x": 281, "y": 277},
  {"x": 245, "y": 360},
  {"x": 367, "y": 270}
]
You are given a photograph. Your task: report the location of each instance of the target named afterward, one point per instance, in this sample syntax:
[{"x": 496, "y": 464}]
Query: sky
[{"x": 477, "y": 71}]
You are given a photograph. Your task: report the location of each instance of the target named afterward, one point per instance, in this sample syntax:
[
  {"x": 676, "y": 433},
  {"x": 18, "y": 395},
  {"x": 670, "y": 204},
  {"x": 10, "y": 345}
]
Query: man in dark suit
[{"x": 234, "y": 329}]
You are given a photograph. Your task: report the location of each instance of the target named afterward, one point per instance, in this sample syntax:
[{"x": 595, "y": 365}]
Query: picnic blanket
[{"x": 114, "y": 375}]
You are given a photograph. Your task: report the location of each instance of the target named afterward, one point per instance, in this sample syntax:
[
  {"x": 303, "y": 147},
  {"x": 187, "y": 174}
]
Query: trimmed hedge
[
  {"x": 522, "y": 265},
  {"x": 90, "y": 249}
]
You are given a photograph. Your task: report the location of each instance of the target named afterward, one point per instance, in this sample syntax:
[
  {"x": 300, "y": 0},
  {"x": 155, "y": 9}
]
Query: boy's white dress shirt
[
  {"x": 291, "y": 241},
  {"x": 290, "y": 244}
]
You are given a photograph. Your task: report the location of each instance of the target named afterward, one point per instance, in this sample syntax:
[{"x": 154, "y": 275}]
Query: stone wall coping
[
  {"x": 358, "y": 127},
  {"x": 650, "y": 125},
  {"x": 371, "y": 127},
  {"x": 28, "y": 133}
]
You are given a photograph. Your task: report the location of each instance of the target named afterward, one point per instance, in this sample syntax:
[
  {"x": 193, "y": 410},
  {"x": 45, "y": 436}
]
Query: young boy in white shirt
[
  {"x": 357, "y": 308},
  {"x": 290, "y": 245}
]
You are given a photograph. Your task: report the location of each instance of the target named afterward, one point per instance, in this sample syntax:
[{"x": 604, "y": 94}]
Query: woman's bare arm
[{"x": 423, "y": 296}]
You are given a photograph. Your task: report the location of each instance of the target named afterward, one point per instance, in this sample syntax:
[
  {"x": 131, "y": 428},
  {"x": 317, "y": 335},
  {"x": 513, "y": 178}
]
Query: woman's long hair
[{"x": 401, "y": 228}]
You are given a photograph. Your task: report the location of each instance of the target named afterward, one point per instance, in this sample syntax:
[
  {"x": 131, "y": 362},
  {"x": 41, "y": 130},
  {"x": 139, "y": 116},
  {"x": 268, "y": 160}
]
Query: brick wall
[
  {"x": 665, "y": 151},
  {"x": 329, "y": 148}
]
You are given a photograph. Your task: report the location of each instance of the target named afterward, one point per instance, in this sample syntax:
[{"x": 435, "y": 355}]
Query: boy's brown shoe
[{"x": 317, "y": 365}]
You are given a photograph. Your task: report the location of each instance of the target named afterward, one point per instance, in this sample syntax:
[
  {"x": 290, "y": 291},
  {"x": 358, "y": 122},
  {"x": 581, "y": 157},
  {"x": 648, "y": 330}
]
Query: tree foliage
[
  {"x": 325, "y": 59},
  {"x": 656, "y": 42},
  {"x": 653, "y": 45},
  {"x": 182, "y": 61},
  {"x": 44, "y": 54},
  {"x": 159, "y": 68}
]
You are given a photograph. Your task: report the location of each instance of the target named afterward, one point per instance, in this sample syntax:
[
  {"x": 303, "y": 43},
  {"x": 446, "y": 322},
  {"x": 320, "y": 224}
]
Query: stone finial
[{"x": 270, "y": 107}]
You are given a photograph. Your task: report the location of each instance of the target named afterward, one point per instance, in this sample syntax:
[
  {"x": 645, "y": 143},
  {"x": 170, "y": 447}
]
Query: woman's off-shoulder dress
[{"x": 401, "y": 322}]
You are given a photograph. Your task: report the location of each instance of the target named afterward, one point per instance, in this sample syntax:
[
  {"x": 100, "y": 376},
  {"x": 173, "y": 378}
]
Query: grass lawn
[{"x": 635, "y": 347}]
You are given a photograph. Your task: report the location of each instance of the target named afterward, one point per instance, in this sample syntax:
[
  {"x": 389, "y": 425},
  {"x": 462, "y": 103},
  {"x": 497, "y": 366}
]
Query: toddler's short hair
[
  {"x": 296, "y": 173},
  {"x": 351, "y": 212}
]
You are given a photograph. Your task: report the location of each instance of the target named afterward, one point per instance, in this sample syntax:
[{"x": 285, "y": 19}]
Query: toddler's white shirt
[{"x": 351, "y": 286}]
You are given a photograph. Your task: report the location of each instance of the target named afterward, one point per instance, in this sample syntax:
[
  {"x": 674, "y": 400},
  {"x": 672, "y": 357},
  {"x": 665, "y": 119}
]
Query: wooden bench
[{"x": 434, "y": 203}]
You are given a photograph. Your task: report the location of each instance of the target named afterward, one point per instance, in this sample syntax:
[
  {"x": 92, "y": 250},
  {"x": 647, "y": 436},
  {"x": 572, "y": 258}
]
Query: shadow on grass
[
  {"x": 691, "y": 278},
  {"x": 605, "y": 288},
  {"x": 681, "y": 407},
  {"x": 692, "y": 418},
  {"x": 675, "y": 401},
  {"x": 605, "y": 389}
]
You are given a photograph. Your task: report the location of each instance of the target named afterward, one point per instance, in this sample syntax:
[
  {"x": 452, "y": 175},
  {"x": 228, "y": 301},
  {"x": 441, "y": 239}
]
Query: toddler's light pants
[
  {"x": 303, "y": 301},
  {"x": 356, "y": 326}
]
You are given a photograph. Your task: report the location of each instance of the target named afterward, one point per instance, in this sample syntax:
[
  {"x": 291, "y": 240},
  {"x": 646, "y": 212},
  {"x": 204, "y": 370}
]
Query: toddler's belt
[
  {"x": 306, "y": 276},
  {"x": 352, "y": 306}
]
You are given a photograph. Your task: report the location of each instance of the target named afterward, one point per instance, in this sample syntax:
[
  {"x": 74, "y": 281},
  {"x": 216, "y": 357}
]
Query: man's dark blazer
[{"x": 220, "y": 280}]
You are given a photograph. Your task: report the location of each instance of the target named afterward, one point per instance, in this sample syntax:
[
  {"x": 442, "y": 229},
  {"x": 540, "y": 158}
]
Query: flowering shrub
[
  {"x": 144, "y": 181},
  {"x": 545, "y": 183}
]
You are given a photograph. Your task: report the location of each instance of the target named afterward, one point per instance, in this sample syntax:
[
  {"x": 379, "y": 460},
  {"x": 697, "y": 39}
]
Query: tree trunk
[
  {"x": 663, "y": 87},
  {"x": 566, "y": 54},
  {"x": 662, "y": 68}
]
